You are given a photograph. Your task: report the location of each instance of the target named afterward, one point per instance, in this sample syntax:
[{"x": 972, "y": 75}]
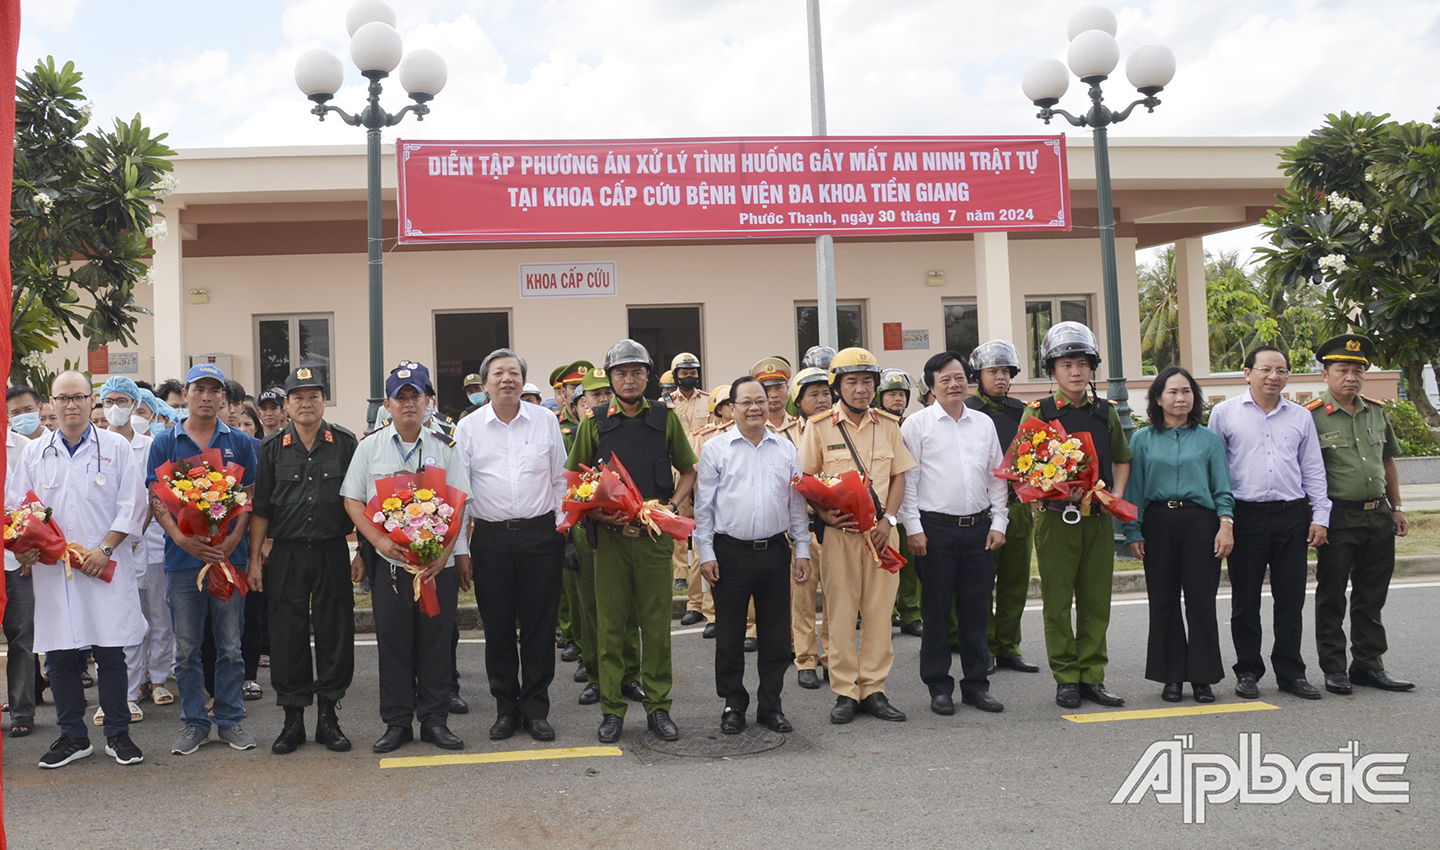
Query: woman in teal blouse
[{"x": 1180, "y": 482}]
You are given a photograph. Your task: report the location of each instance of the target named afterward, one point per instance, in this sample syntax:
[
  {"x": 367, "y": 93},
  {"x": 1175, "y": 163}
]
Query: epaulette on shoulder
[
  {"x": 1035, "y": 404},
  {"x": 567, "y": 430},
  {"x": 821, "y": 415},
  {"x": 703, "y": 429},
  {"x": 670, "y": 404},
  {"x": 445, "y": 439},
  {"x": 1113, "y": 402},
  {"x": 340, "y": 429},
  {"x": 886, "y": 414},
  {"x": 1379, "y": 401},
  {"x": 1313, "y": 403},
  {"x": 702, "y": 392},
  {"x": 589, "y": 413}
]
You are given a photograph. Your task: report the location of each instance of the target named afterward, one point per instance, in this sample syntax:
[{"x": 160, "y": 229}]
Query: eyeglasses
[
  {"x": 111, "y": 402},
  {"x": 1266, "y": 371},
  {"x": 66, "y": 400},
  {"x": 757, "y": 403}
]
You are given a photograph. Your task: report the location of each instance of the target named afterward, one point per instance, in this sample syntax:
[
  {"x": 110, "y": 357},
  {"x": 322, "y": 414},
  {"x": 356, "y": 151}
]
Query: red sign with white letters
[{"x": 729, "y": 188}]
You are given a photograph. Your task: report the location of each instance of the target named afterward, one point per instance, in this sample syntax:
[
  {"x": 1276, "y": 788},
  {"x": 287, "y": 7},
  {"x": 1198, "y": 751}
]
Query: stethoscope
[{"x": 50, "y": 464}]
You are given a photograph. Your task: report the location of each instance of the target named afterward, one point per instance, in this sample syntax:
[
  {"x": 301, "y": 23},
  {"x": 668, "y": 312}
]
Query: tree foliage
[
  {"x": 82, "y": 210},
  {"x": 1360, "y": 226}
]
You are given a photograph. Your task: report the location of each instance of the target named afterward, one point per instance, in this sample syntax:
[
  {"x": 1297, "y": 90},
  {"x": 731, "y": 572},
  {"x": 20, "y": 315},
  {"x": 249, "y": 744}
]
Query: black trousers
[
  {"x": 955, "y": 569},
  {"x": 517, "y": 581},
  {"x": 308, "y": 582},
  {"x": 764, "y": 575},
  {"x": 255, "y": 637},
  {"x": 1273, "y": 539},
  {"x": 66, "y": 668},
  {"x": 1180, "y": 557},
  {"x": 414, "y": 648}
]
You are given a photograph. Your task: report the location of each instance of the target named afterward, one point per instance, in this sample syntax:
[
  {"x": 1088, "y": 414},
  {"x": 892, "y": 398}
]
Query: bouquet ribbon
[
  {"x": 850, "y": 494},
  {"x": 661, "y": 520},
  {"x": 424, "y": 592}
]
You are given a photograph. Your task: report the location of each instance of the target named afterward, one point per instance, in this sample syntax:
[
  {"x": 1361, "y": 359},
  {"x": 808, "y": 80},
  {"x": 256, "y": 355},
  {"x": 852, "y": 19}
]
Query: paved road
[{"x": 1024, "y": 778}]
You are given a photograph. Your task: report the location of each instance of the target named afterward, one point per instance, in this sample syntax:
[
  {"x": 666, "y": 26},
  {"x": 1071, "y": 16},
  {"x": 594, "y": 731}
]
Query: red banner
[{"x": 730, "y": 188}]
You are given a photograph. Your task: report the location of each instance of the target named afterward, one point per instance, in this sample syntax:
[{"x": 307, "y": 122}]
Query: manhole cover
[{"x": 715, "y": 744}]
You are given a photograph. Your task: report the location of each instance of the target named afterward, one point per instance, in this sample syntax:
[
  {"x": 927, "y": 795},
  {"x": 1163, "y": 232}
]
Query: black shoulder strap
[{"x": 855, "y": 456}]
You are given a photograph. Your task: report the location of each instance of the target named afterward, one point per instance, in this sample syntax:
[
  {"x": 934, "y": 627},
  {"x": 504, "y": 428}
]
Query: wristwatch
[
  {"x": 106, "y": 549},
  {"x": 1400, "y": 508},
  {"x": 894, "y": 523}
]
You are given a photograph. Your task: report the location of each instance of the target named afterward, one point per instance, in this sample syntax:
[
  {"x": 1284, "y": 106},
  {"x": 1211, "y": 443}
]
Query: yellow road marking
[
  {"x": 490, "y": 758},
  {"x": 1183, "y": 711}
]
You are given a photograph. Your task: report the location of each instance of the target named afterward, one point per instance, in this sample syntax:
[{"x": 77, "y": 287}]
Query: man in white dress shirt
[
  {"x": 89, "y": 479},
  {"x": 955, "y": 514},
  {"x": 744, "y": 507},
  {"x": 515, "y": 458}
]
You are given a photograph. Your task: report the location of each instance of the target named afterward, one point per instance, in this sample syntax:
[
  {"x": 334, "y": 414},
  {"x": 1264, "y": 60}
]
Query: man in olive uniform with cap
[
  {"x": 854, "y": 436},
  {"x": 1359, "y": 448},
  {"x": 632, "y": 566},
  {"x": 306, "y": 577},
  {"x": 993, "y": 365},
  {"x": 474, "y": 387},
  {"x": 692, "y": 405},
  {"x": 1076, "y": 554},
  {"x": 893, "y": 396}
]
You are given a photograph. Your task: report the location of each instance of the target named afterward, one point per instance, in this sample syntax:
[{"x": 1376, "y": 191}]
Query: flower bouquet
[
  {"x": 608, "y": 487},
  {"x": 419, "y": 511},
  {"x": 205, "y": 496},
  {"x": 30, "y": 526},
  {"x": 849, "y": 493},
  {"x": 1047, "y": 462}
]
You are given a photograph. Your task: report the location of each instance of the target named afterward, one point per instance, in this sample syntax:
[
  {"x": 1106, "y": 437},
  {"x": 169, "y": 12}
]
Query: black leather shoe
[
  {"x": 610, "y": 727},
  {"x": 1203, "y": 692},
  {"x": 580, "y": 675},
  {"x": 681, "y": 585},
  {"x": 1100, "y": 695},
  {"x": 1298, "y": 687},
  {"x": 732, "y": 722},
  {"x": 504, "y": 726},
  {"x": 877, "y": 706},
  {"x": 752, "y": 644},
  {"x": 590, "y": 695},
  {"x": 458, "y": 705},
  {"x": 942, "y": 704},
  {"x": 540, "y": 729},
  {"x": 441, "y": 736},
  {"x": 915, "y": 629},
  {"x": 392, "y": 739},
  {"x": 989, "y": 667},
  {"x": 982, "y": 700},
  {"x": 292, "y": 734},
  {"x": 1017, "y": 663},
  {"x": 691, "y": 618},
  {"x": 844, "y": 710},
  {"x": 633, "y": 691},
  {"x": 807, "y": 679},
  {"x": 1067, "y": 695},
  {"x": 1338, "y": 683},
  {"x": 1247, "y": 685},
  {"x": 1172, "y": 692},
  {"x": 570, "y": 652},
  {"x": 327, "y": 727},
  {"x": 664, "y": 728},
  {"x": 775, "y": 722},
  {"x": 709, "y": 633},
  {"x": 1378, "y": 679}
]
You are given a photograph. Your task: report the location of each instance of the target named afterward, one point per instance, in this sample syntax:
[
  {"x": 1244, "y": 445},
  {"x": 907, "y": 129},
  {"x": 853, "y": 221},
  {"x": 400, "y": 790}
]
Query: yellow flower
[
  {"x": 424, "y": 495},
  {"x": 1040, "y": 437},
  {"x": 203, "y": 505},
  {"x": 391, "y": 504},
  {"x": 1024, "y": 462},
  {"x": 215, "y": 476},
  {"x": 1050, "y": 470},
  {"x": 182, "y": 484}
]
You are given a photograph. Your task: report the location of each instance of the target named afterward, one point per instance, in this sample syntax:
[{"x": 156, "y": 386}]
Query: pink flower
[
  {"x": 441, "y": 529},
  {"x": 378, "y": 518},
  {"x": 391, "y": 525},
  {"x": 217, "y": 510},
  {"x": 446, "y": 511}
]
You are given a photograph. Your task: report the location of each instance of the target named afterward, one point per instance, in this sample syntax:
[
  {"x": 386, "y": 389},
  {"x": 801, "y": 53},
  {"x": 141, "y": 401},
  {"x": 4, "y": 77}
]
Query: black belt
[
  {"x": 1382, "y": 502},
  {"x": 951, "y": 519},
  {"x": 1270, "y": 507},
  {"x": 630, "y": 530},
  {"x": 757, "y": 545},
  {"x": 1174, "y": 504},
  {"x": 1060, "y": 506},
  {"x": 517, "y": 524}
]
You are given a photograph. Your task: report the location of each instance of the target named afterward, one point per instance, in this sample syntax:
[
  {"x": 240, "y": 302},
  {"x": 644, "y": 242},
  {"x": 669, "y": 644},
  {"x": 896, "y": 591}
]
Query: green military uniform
[
  {"x": 1360, "y": 554},
  {"x": 1077, "y": 565},
  {"x": 308, "y": 574},
  {"x": 633, "y": 578},
  {"x": 569, "y": 622},
  {"x": 1012, "y": 561}
]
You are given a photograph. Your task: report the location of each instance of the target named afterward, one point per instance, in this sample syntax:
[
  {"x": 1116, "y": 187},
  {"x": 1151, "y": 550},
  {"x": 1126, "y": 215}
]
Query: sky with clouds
[{"x": 221, "y": 74}]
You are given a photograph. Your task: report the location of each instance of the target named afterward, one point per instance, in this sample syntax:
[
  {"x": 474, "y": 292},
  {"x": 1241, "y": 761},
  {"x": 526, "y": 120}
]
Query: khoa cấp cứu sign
[{"x": 515, "y": 191}]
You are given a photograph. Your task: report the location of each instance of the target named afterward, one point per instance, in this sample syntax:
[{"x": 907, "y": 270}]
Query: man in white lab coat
[{"x": 89, "y": 479}]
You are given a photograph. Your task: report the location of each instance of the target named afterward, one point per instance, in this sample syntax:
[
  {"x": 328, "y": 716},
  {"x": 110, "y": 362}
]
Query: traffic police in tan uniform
[{"x": 810, "y": 393}]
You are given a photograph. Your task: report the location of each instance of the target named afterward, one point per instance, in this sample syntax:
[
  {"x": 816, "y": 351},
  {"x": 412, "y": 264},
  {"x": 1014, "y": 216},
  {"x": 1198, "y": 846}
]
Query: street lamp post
[
  {"x": 375, "y": 48},
  {"x": 1092, "y": 57}
]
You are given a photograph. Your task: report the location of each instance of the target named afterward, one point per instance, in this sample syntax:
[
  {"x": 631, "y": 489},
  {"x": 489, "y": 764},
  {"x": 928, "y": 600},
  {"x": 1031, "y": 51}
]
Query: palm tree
[{"x": 1159, "y": 312}]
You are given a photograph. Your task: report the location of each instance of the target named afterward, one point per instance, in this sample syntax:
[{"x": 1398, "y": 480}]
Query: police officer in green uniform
[
  {"x": 1359, "y": 448},
  {"x": 567, "y": 379},
  {"x": 893, "y": 396},
  {"x": 1076, "y": 553},
  {"x": 306, "y": 577},
  {"x": 632, "y": 567},
  {"x": 993, "y": 365}
]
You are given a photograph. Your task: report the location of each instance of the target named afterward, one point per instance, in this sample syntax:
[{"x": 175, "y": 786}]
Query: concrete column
[
  {"x": 170, "y": 300},
  {"x": 1193, "y": 315},
  {"x": 992, "y": 287},
  {"x": 1128, "y": 288}
]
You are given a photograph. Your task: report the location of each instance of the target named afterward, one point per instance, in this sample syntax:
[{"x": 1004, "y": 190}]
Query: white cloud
[{"x": 54, "y": 14}]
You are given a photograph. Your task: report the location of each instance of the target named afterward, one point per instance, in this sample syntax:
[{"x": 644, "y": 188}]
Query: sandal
[
  {"x": 251, "y": 691},
  {"x": 99, "y": 717},
  {"x": 136, "y": 715},
  {"x": 264, "y": 661},
  {"x": 21, "y": 728},
  {"x": 160, "y": 696},
  {"x": 86, "y": 680}
]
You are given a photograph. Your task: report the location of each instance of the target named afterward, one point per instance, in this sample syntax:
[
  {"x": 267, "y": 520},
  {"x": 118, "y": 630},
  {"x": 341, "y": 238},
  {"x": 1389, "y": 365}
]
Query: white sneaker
[{"x": 235, "y": 737}]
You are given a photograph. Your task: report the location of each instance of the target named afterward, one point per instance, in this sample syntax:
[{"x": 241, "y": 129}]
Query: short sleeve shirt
[
  {"x": 1354, "y": 447},
  {"x": 877, "y": 441}
]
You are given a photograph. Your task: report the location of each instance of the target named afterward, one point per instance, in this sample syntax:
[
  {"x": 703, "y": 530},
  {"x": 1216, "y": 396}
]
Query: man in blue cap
[
  {"x": 415, "y": 663},
  {"x": 186, "y": 556}
]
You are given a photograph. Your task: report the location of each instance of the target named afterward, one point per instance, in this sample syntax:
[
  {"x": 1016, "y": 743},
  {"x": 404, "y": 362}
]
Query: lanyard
[{"x": 406, "y": 456}]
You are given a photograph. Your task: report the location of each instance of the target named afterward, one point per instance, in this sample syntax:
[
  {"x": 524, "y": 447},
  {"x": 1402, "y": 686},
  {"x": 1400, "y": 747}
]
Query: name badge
[{"x": 835, "y": 446}]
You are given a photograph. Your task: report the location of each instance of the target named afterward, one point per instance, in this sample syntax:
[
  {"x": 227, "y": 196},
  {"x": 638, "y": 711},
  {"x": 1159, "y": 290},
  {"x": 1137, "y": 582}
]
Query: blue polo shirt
[{"x": 235, "y": 446}]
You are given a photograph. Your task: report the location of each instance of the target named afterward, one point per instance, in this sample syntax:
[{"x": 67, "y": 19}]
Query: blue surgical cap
[{"x": 120, "y": 384}]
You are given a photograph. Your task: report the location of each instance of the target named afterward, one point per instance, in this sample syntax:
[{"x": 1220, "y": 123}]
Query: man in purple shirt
[{"x": 1276, "y": 468}]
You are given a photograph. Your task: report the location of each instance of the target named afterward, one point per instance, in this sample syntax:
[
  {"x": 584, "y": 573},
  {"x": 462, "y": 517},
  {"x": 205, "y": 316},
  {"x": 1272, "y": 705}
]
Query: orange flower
[{"x": 414, "y": 510}]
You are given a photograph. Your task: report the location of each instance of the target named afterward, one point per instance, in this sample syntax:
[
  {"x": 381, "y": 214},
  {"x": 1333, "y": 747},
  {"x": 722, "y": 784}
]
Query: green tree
[
  {"x": 1159, "y": 313},
  {"x": 1360, "y": 225},
  {"x": 82, "y": 209}
]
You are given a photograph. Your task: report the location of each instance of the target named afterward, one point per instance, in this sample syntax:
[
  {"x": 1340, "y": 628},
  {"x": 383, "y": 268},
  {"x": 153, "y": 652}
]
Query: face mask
[
  {"x": 25, "y": 423},
  {"x": 139, "y": 424},
  {"x": 156, "y": 428},
  {"x": 476, "y": 398},
  {"x": 117, "y": 415},
  {"x": 688, "y": 382}
]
